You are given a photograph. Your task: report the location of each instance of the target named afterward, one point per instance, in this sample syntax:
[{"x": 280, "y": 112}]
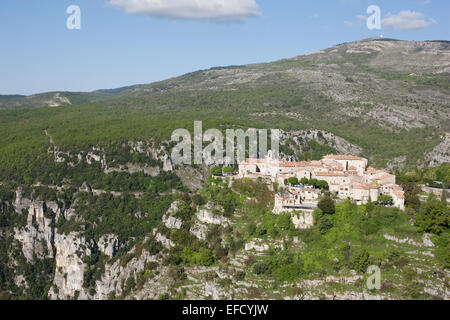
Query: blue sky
[{"x": 134, "y": 41}]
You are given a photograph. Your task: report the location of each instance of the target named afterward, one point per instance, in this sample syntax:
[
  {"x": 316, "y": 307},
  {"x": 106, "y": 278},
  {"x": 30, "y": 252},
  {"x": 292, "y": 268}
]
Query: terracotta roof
[
  {"x": 330, "y": 174},
  {"x": 303, "y": 169},
  {"x": 289, "y": 164},
  {"x": 386, "y": 176},
  {"x": 365, "y": 186},
  {"x": 309, "y": 190},
  {"x": 343, "y": 157},
  {"x": 253, "y": 161}
]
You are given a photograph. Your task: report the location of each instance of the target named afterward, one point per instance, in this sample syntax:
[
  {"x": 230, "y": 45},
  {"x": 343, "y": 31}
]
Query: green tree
[
  {"x": 321, "y": 184},
  {"x": 412, "y": 191},
  {"x": 326, "y": 204},
  {"x": 313, "y": 182},
  {"x": 433, "y": 216},
  {"x": 293, "y": 180}
]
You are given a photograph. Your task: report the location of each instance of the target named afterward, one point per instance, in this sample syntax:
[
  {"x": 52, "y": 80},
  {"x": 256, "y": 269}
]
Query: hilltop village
[{"x": 347, "y": 177}]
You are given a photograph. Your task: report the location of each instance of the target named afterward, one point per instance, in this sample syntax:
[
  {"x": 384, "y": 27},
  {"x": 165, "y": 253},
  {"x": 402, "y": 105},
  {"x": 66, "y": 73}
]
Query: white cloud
[
  {"x": 407, "y": 20},
  {"x": 349, "y": 23},
  {"x": 425, "y": 2},
  {"x": 361, "y": 17},
  {"x": 214, "y": 10}
]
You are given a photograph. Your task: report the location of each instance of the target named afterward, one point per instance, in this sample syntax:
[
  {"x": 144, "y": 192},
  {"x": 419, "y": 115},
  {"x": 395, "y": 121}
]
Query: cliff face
[
  {"x": 68, "y": 280},
  {"x": 38, "y": 235},
  {"x": 39, "y": 239}
]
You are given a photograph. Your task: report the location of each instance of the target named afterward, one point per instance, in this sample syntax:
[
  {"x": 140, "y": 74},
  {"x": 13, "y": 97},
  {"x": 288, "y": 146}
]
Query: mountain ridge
[{"x": 117, "y": 91}]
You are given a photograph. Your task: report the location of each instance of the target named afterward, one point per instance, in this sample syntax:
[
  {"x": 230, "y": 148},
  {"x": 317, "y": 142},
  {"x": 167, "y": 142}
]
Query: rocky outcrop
[
  {"x": 57, "y": 100},
  {"x": 115, "y": 276},
  {"x": 169, "y": 220},
  {"x": 206, "y": 215},
  {"x": 36, "y": 237},
  {"x": 70, "y": 249},
  {"x": 172, "y": 222},
  {"x": 303, "y": 220},
  {"x": 258, "y": 247},
  {"x": 407, "y": 240},
  {"x": 427, "y": 241},
  {"x": 193, "y": 178},
  {"x": 109, "y": 244},
  {"x": 301, "y": 138},
  {"x": 166, "y": 242},
  {"x": 21, "y": 203},
  {"x": 199, "y": 230},
  {"x": 440, "y": 154},
  {"x": 97, "y": 155},
  {"x": 132, "y": 168},
  {"x": 159, "y": 153}
]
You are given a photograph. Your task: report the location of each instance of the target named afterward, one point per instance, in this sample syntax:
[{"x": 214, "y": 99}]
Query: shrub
[
  {"x": 174, "y": 257},
  {"x": 205, "y": 257},
  {"x": 325, "y": 224},
  {"x": 250, "y": 261},
  {"x": 228, "y": 169},
  {"x": 360, "y": 261},
  {"x": 385, "y": 200},
  {"x": 153, "y": 246},
  {"x": 198, "y": 200},
  {"x": 216, "y": 171},
  {"x": 288, "y": 272},
  {"x": 260, "y": 268},
  {"x": 240, "y": 275},
  {"x": 442, "y": 251},
  {"x": 251, "y": 229},
  {"x": 177, "y": 273}
]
